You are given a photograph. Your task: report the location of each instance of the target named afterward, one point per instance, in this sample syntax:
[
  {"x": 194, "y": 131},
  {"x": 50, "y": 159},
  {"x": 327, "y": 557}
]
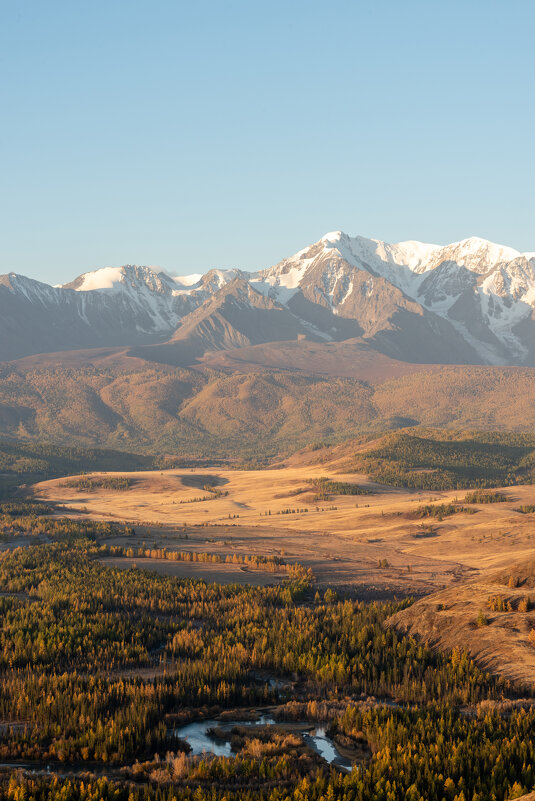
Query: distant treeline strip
[
  {"x": 271, "y": 564},
  {"x": 33, "y": 519},
  {"x": 92, "y": 483},
  {"x": 325, "y": 487}
]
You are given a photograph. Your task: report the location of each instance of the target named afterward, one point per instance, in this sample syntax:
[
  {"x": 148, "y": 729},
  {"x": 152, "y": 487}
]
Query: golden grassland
[
  {"x": 485, "y": 617},
  {"x": 374, "y": 544},
  {"x": 360, "y": 540}
]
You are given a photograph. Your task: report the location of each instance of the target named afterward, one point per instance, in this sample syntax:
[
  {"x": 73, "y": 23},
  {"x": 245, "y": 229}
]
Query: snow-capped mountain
[
  {"x": 112, "y": 306},
  {"x": 483, "y": 291},
  {"x": 469, "y": 302}
]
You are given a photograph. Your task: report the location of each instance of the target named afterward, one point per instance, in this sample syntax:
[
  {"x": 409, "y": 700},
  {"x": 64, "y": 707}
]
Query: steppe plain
[{"x": 373, "y": 546}]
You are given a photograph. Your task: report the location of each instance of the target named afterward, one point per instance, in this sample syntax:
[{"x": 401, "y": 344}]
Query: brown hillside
[
  {"x": 484, "y": 617},
  {"x": 349, "y": 359},
  {"x": 470, "y": 397},
  {"x": 111, "y": 399}
]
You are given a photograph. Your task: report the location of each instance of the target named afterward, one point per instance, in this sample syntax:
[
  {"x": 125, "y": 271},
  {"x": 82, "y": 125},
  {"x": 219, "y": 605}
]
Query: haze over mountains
[
  {"x": 471, "y": 302},
  {"x": 349, "y": 336}
]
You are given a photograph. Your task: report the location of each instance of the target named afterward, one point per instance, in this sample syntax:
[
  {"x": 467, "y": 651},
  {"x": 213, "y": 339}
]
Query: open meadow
[{"x": 383, "y": 540}]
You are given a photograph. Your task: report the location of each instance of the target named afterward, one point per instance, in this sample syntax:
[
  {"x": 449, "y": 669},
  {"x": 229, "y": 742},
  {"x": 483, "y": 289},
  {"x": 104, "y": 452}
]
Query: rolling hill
[{"x": 119, "y": 401}]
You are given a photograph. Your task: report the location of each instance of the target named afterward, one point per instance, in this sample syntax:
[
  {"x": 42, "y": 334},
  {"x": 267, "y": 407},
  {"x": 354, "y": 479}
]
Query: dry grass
[
  {"x": 220, "y": 573},
  {"x": 343, "y": 545},
  {"x": 371, "y": 544},
  {"x": 464, "y": 617}
]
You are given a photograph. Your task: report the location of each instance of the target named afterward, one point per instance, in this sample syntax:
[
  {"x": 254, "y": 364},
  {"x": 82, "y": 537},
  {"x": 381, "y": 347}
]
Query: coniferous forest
[
  {"x": 100, "y": 667},
  {"x": 267, "y": 372}
]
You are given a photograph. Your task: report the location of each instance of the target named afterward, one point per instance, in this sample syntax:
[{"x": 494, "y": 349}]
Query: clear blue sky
[{"x": 209, "y": 133}]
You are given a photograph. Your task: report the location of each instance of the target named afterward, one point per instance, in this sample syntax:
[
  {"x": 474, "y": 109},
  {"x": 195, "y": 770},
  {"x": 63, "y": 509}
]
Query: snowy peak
[
  {"x": 470, "y": 301},
  {"x": 485, "y": 290},
  {"x": 104, "y": 278},
  {"x": 29, "y": 288},
  {"x": 209, "y": 282},
  {"x": 127, "y": 278},
  {"x": 474, "y": 253},
  {"x": 214, "y": 279},
  {"x": 478, "y": 255},
  {"x": 359, "y": 249},
  {"x": 187, "y": 281},
  {"x": 131, "y": 276}
]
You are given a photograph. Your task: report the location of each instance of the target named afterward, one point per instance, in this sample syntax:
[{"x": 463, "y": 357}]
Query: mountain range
[{"x": 471, "y": 302}]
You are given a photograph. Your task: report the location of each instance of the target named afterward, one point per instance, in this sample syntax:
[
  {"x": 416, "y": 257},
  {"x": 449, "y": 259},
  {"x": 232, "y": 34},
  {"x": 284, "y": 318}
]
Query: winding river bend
[{"x": 197, "y": 735}]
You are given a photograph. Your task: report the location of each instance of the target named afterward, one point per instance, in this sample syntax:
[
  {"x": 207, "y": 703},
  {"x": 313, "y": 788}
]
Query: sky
[{"x": 230, "y": 133}]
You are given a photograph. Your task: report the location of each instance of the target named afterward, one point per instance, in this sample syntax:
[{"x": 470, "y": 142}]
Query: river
[{"x": 197, "y": 736}]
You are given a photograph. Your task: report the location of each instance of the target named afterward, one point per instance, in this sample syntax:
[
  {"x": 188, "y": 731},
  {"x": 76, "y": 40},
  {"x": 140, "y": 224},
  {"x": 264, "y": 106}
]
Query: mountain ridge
[{"x": 471, "y": 302}]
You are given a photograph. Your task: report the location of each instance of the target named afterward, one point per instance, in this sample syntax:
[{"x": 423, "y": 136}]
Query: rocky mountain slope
[
  {"x": 470, "y": 302},
  {"x": 109, "y": 307}
]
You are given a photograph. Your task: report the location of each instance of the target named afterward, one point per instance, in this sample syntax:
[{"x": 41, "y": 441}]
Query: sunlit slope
[
  {"x": 388, "y": 539},
  {"x": 491, "y": 618},
  {"x": 138, "y": 406}
]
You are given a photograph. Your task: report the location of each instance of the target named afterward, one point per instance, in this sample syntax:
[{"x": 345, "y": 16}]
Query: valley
[
  {"x": 342, "y": 539},
  {"x": 297, "y": 623},
  {"x": 283, "y": 517},
  {"x": 267, "y": 481},
  {"x": 379, "y": 542}
]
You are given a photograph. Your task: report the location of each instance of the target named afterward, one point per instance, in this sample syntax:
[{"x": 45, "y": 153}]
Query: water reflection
[
  {"x": 201, "y": 742},
  {"x": 326, "y": 748}
]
